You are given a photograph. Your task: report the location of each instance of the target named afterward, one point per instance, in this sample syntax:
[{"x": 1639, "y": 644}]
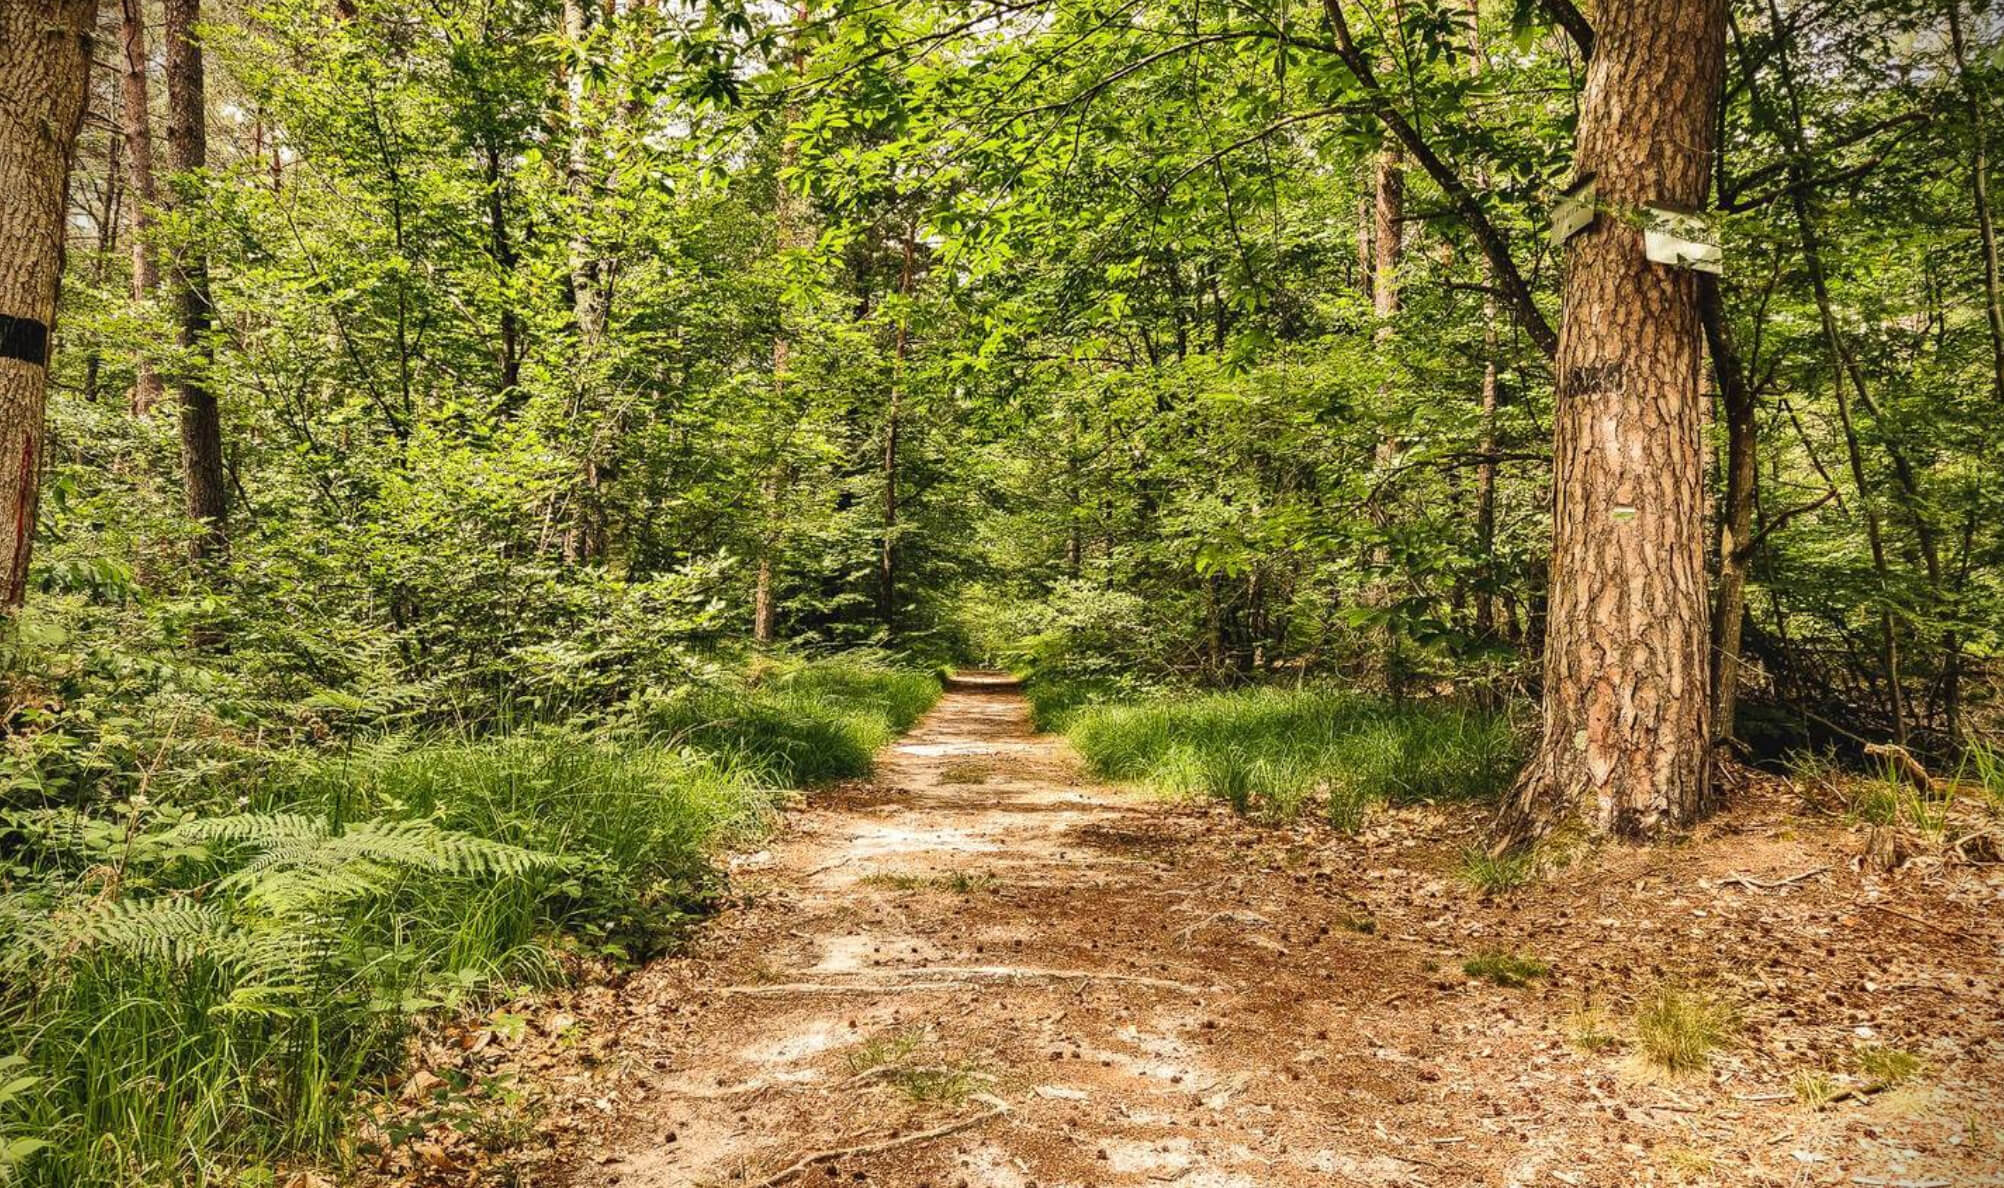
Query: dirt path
[{"x": 1000, "y": 975}]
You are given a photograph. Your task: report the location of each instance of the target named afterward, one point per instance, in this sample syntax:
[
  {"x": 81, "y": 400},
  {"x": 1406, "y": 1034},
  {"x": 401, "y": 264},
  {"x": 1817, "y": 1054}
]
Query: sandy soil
[{"x": 1001, "y": 974}]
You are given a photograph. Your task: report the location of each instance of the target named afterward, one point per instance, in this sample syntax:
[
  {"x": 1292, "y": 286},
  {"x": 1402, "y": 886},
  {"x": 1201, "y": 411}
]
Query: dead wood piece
[
  {"x": 996, "y": 1108},
  {"x": 1944, "y": 929},
  {"x": 1745, "y": 881},
  {"x": 1903, "y": 762}
]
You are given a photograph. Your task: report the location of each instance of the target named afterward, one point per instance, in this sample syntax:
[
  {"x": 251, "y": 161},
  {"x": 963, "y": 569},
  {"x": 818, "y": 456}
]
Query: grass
[
  {"x": 1887, "y": 1068},
  {"x": 1505, "y": 969},
  {"x": 1678, "y": 1030},
  {"x": 1590, "y": 1030},
  {"x": 1493, "y": 874},
  {"x": 1272, "y": 752},
  {"x": 894, "y": 1060},
  {"x": 195, "y": 995},
  {"x": 958, "y": 882},
  {"x": 1814, "y": 1087},
  {"x": 964, "y": 773},
  {"x": 798, "y": 726}
]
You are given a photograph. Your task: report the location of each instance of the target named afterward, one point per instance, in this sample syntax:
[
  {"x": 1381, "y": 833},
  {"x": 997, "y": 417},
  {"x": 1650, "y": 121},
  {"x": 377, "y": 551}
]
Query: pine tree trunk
[
  {"x": 148, "y": 391},
  {"x": 201, "y": 420},
  {"x": 44, "y": 77},
  {"x": 1624, "y": 748}
]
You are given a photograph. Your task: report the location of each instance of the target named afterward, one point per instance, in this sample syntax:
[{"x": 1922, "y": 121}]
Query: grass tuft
[
  {"x": 1678, "y": 1029},
  {"x": 1493, "y": 874},
  {"x": 1589, "y": 1030},
  {"x": 1887, "y": 1068},
  {"x": 1505, "y": 969}
]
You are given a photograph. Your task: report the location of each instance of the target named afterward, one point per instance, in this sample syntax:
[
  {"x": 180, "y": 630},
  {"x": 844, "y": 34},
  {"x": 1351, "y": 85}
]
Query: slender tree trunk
[
  {"x": 1485, "y": 468},
  {"x": 188, "y": 155},
  {"x": 1388, "y": 213},
  {"x": 1736, "y": 517},
  {"x": 148, "y": 391},
  {"x": 44, "y": 78},
  {"x": 1979, "y": 180},
  {"x": 887, "y": 570},
  {"x": 788, "y": 226},
  {"x": 1624, "y": 746}
]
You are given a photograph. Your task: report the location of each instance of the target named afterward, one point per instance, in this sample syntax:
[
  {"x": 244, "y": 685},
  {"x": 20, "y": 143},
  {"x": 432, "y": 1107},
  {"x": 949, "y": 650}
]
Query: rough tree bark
[
  {"x": 148, "y": 391},
  {"x": 44, "y": 77},
  {"x": 1623, "y": 750},
  {"x": 187, "y": 155}
]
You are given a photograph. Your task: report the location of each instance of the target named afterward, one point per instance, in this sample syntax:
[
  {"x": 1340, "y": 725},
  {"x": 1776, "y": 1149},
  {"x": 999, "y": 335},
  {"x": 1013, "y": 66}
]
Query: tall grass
[
  {"x": 1271, "y": 751},
  {"x": 799, "y": 726},
  {"x": 188, "y": 995}
]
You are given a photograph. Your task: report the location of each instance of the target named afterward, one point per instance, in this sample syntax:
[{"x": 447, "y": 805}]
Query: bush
[{"x": 1270, "y": 751}]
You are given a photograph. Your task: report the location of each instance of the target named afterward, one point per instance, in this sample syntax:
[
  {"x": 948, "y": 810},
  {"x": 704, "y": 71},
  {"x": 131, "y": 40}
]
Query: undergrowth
[
  {"x": 1272, "y": 752},
  {"x": 196, "y": 987}
]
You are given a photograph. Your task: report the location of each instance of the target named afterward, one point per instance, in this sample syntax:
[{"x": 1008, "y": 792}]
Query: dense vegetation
[{"x": 465, "y": 422}]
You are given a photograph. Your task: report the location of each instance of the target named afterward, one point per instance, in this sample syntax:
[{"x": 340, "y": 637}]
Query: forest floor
[{"x": 981, "y": 969}]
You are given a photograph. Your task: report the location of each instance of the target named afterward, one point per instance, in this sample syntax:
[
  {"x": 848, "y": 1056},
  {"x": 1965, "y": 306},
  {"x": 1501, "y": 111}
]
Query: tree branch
[
  {"x": 1511, "y": 281},
  {"x": 1566, "y": 15}
]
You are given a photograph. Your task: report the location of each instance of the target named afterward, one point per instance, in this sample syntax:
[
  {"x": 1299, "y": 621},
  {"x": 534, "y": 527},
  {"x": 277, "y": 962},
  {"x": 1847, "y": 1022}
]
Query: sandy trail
[{"x": 1098, "y": 988}]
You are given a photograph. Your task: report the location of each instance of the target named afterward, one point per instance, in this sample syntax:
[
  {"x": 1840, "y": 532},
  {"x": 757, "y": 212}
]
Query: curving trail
[{"x": 981, "y": 970}]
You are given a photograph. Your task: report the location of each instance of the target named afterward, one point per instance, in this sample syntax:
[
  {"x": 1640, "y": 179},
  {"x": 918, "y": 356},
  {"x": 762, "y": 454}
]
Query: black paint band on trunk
[{"x": 25, "y": 339}]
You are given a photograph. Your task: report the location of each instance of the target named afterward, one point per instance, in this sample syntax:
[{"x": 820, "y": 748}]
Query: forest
[{"x": 1001, "y": 592}]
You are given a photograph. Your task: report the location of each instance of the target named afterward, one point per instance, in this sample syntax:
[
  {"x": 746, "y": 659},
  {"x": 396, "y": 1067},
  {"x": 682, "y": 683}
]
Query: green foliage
[
  {"x": 798, "y": 726},
  {"x": 1270, "y": 751},
  {"x": 1679, "y": 1029},
  {"x": 1505, "y": 969}
]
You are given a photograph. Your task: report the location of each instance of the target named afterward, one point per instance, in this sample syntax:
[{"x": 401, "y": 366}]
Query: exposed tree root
[{"x": 996, "y": 1108}]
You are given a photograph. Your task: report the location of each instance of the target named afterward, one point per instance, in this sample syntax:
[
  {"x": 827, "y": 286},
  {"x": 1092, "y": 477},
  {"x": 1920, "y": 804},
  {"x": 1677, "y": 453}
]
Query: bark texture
[
  {"x": 137, "y": 121},
  {"x": 44, "y": 76},
  {"x": 1624, "y": 743},
  {"x": 188, "y": 155}
]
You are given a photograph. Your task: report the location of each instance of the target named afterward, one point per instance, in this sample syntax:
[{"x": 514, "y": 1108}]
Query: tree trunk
[
  {"x": 1388, "y": 214},
  {"x": 788, "y": 220},
  {"x": 1624, "y": 748},
  {"x": 188, "y": 155},
  {"x": 148, "y": 391},
  {"x": 887, "y": 570},
  {"x": 1485, "y": 467},
  {"x": 45, "y": 76},
  {"x": 1979, "y": 180},
  {"x": 1736, "y": 517}
]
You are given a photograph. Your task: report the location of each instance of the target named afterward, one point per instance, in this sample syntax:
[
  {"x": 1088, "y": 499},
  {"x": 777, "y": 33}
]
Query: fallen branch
[
  {"x": 1944, "y": 929},
  {"x": 948, "y": 977},
  {"x": 996, "y": 1109},
  {"x": 917, "y": 1070},
  {"x": 1745, "y": 881},
  {"x": 1902, "y": 761}
]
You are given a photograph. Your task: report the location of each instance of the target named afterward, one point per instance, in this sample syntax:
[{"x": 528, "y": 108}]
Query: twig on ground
[
  {"x": 996, "y": 1108},
  {"x": 1944, "y": 929},
  {"x": 1745, "y": 881}
]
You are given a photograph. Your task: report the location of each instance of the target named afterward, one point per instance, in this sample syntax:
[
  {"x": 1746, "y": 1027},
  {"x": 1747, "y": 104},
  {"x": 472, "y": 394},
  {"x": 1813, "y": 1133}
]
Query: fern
[{"x": 299, "y": 864}]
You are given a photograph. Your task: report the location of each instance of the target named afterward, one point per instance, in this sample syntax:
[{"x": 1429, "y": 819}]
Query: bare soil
[{"x": 994, "y": 972}]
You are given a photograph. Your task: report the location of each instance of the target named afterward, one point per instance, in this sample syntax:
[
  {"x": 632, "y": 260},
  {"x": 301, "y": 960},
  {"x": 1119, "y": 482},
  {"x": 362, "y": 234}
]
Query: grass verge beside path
[
  {"x": 190, "y": 995},
  {"x": 1274, "y": 752}
]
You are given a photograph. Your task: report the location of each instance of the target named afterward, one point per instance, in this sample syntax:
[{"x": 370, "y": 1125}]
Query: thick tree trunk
[
  {"x": 148, "y": 391},
  {"x": 44, "y": 78},
  {"x": 201, "y": 420},
  {"x": 1624, "y": 743}
]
